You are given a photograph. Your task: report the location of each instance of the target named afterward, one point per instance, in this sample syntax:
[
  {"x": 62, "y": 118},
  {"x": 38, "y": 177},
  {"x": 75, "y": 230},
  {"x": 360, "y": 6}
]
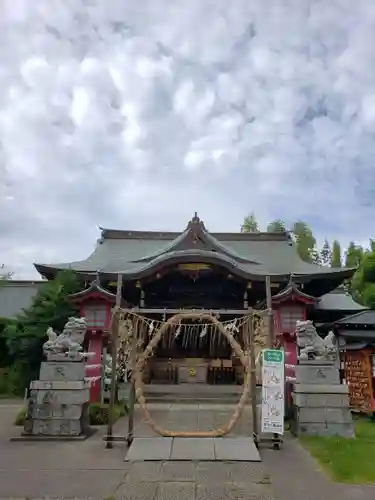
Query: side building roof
[
  {"x": 137, "y": 254},
  {"x": 363, "y": 318},
  {"x": 339, "y": 300},
  {"x": 16, "y": 296},
  {"x": 357, "y": 327}
]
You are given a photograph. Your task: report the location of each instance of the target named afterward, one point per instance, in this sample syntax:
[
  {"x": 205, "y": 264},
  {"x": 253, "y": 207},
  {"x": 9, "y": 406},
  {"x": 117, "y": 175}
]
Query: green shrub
[
  {"x": 20, "y": 417},
  {"x": 12, "y": 380},
  {"x": 123, "y": 405},
  {"x": 99, "y": 413}
]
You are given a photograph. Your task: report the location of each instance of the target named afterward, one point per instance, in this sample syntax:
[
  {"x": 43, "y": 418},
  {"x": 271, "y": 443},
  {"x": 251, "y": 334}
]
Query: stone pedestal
[
  {"x": 320, "y": 401},
  {"x": 58, "y": 404}
]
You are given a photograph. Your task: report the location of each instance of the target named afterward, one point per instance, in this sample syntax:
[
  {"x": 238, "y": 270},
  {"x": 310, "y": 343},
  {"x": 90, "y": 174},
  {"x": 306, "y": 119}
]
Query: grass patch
[{"x": 347, "y": 460}]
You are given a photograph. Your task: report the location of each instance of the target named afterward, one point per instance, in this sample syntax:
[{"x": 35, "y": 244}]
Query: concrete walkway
[{"x": 87, "y": 470}]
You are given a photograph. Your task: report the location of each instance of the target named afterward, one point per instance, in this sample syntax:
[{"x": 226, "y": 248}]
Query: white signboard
[{"x": 273, "y": 391}]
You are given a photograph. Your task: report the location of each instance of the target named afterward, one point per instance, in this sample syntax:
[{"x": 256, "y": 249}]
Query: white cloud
[{"x": 137, "y": 114}]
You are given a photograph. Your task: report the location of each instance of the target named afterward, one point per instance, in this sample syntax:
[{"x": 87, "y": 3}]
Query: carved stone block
[
  {"x": 58, "y": 403},
  {"x": 320, "y": 401},
  {"x": 62, "y": 397},
  {"x": 57, "y": 411},
  {"x": 321, "y": 429},
  {"x": 59, "y": 385},
  {"x": 315, "y": 374},
  {"x": 71, "y": 357},
  {"x": 53, "y": 370},
  {"x": 325, "y": 415},
  {"x": 58, "y": 427}
]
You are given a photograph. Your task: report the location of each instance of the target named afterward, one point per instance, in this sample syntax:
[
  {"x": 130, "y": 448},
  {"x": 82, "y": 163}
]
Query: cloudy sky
[{"x": 135, "y": 114}]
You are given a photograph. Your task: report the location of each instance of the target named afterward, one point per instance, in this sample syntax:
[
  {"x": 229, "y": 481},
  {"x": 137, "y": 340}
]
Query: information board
[
  {"x": 358, "y": 376},
  {"x": 273, "y": 391}
]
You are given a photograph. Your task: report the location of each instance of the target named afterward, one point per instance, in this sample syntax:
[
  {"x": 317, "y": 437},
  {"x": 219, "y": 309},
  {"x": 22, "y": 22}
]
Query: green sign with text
[{"x": 273, "y": 356}]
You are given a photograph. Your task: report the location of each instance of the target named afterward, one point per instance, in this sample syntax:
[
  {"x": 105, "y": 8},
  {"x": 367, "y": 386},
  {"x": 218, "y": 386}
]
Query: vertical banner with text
[{"x": 273, "y": 391}]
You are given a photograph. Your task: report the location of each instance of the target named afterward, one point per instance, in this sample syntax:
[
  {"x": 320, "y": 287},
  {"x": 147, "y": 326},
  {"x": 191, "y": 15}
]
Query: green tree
[
  {"x": 363, "y": 282},
  {"x": 305, "y": 241},
  {"x": 336, "y": 260},
  {"x": 353, "y": 255},
  {"x": 26, "y": 334},
  {"x": 325, "y": 254},
  {"x": 276, "y": 226},
  {"x": 250, "y": 224}
]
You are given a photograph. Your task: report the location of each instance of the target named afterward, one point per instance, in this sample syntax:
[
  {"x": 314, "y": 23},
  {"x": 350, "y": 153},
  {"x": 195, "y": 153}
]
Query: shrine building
[{"x": 164, "y": 272}]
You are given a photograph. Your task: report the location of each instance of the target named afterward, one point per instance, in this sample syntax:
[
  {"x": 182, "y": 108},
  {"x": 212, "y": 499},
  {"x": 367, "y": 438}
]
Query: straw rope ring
[{"x": 176, "y": 319}]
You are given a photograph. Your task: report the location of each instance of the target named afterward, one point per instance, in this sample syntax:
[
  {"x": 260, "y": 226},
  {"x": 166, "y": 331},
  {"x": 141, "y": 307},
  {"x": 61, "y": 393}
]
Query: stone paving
[
  {"x": 87, "y": 470},
  {"x": 239, "y": 449}
]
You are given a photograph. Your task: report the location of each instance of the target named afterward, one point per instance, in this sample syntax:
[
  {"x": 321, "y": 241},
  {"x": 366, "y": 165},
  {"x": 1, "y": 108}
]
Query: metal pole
[
  {"x": 102, "y": 388},
  {"x": 269, "y": 312},
  {"x": 114, "y": 338}
]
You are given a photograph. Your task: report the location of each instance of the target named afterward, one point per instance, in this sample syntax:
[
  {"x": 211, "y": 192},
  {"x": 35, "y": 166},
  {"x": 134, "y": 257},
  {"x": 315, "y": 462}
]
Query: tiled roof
[
  {"x": 339, "y": 300},
  {"x": 252, "y": 255},
  {"x": 93, "y": 288},
  {"x": 366, "y": 317}
]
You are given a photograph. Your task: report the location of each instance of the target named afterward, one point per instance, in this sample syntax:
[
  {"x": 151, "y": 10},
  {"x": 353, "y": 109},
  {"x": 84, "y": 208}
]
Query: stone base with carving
[
  {"x": 320, "y": 401},
  {"x": 58, "y": 403}
]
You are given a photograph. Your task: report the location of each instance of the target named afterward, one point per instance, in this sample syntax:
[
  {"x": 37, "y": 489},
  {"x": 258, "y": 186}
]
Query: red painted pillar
[
  {"x": 95, "y": 346},
  {"x": 290, "y": 352}
]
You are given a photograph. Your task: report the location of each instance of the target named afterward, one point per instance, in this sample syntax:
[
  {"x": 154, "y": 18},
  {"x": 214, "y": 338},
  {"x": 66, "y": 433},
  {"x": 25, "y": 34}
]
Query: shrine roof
[
  {"x": 290, "y": 290},
  {"x": 339, "y": 300},
  {"x": 94, "y": 290},
  {"x": 251, "y": 255}
]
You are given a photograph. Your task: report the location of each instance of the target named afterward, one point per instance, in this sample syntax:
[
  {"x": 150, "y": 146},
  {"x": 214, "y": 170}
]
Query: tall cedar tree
[
  {"x": 353, "y": 255},
  {"x": 325, "y": 254},
  {"x": 315, "y": 256},
  {"x": 250, "y": 224},
  {"x": 276, "y": 226},
  {"x": 305, "y": 241},
  {"x": 336, "y": 254}
]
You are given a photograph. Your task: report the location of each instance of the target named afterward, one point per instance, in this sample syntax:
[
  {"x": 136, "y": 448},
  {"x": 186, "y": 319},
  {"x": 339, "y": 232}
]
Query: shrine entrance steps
[
  {"x": 182, "y": 449},
  {"x": 237, "y": 446},
  {"x": 193, "y": 393}
]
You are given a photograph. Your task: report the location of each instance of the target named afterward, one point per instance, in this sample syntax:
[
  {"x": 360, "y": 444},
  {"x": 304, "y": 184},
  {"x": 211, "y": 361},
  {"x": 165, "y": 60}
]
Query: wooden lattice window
[
  {"x": 289, "y": 316},
  {"x": 95, "y": 316}
]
